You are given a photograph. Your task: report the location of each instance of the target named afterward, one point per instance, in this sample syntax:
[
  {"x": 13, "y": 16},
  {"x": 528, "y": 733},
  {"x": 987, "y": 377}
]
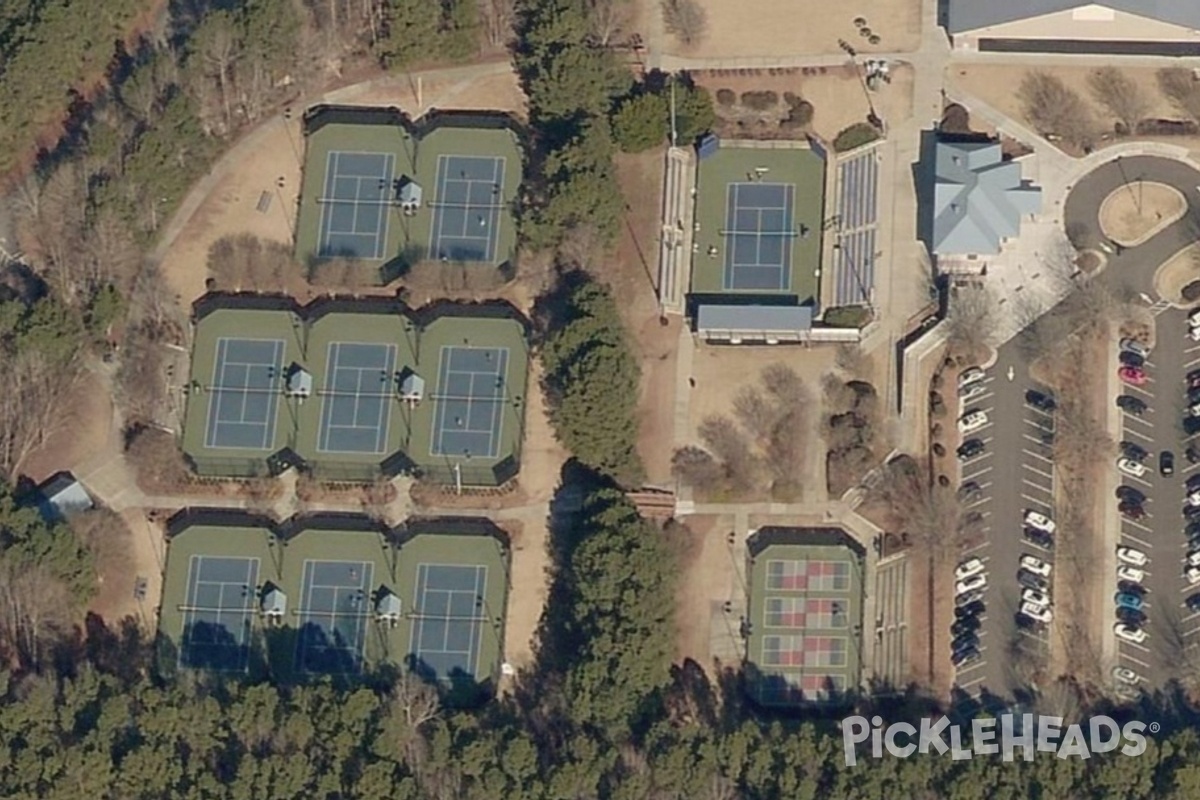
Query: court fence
[{"x": 471, "y": 475}]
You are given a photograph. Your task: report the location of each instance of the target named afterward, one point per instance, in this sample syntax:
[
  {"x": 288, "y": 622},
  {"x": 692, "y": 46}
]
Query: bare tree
[
  {"x": 1121, "y": 95},
  {"x": 330, "y": 274},
  {"x": 157, "y": 459},
  {"x": 686, "y": 20},
  {"x": 219, "y": 49},
  {"x": 608, "y": 20},
  {"x": 412, "y": 705},
  {"x": 498, "y": 17},
  {"x": 1056, "y": 109},
  {"x": 971, "y": 321},
  {"x": 1182, "y": 89},
  {"x": 34, "y": 406},
  {"x": 730, "y": 446},
  {"x": 696, "y": 467},
  {"x": 33, "y": 611}
]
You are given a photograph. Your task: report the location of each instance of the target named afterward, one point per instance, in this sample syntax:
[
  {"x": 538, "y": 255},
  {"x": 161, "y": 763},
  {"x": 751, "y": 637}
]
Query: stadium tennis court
[
  {"x": 245, "y": 394},
  {"x": 354, "y": 207},
  {"x": 217, "y": 614},
  {"x": 466, "y": 209},
  {"x": 470, "y": 401},
  {"x": 854, "y": 266},
  {"x": 359, "y": 385},
  {"x": 333, "y": 616},
  {"x": 449, "y": 612},
  {"x": 759, "y": 232}
]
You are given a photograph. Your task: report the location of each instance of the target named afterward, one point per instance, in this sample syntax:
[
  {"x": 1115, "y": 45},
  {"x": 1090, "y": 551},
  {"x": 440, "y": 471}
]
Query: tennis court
[
  {"x": 217, "y": 614},
  {"x": 244, "y": 394},
  {"x": 354, "y": 206},
  {"x": 333, "y": 616},
  {"x": 449, "y": 614},
  {"x": 466, "y": 208},
  {"x": 470, "y": 400},
  {"x": 359, "y": 385},
  {"x": 759, "y": 232}
]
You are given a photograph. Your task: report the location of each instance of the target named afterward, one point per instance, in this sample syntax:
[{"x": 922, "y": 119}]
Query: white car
[
  {"x": 1193, "y": 575},
  {"x": 970, "y": 375},
  {"x": 1036, "y": 565},
  {"x": 1193, "y": 558},
  {"x": 1125, "y": 675},
  {"x": 972, "y": 566},
  {"x": 1040, "y": 521},
  {"x": 971, "y": 390},
  {"x": 1131, "y": 467},
  {"x": 972, "y": 421},
  {"x": 1194, "y": 318},
  {"x": 1135, "y": 346},
  {"x": 1193, "y": 499},
  {"x": 971, "y": 584},
  {"x": 1036, "y": 612},
  {"x": 1128, "y": 573},
  {"x": 1194, "y": 334},
  {"x": 1040, "y": 599},
  {"x": 1131, "y": 556},
  {"x": 1194, "y": 410},
  {"x": 1129, "y": 633}
]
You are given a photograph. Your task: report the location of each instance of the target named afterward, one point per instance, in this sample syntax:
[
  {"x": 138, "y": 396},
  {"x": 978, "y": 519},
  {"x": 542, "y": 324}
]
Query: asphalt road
[{"x": 1016, "y": 474}]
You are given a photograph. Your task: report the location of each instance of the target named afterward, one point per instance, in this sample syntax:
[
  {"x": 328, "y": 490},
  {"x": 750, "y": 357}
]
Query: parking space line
[
  {"x": 1138, "y": 525},
  {"x": 974, "y": 475},
  {"x": 1138, "y": 647},
  {"x": 1038, "y": 456},
  {"x": 1139, "y": 420},
  {"x": 972, "y": 682},
  {"x": 1142, "y": 542},
  {"x": 1137, "y": 661},
  {"x": 1038, "y": 486},
  {"x": 1131, "y": 388},
  {"x": 1041, "y": 426},
  {"x": 1136, "y": 479},
  {"x": 1038, "y": 471},
  {"x": 1042, "y": 505},
  {"x": 979, "y": 502}
]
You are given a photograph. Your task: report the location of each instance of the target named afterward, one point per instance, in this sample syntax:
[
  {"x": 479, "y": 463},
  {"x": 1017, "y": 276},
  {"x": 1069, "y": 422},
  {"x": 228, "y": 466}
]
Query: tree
[
  {"x": 1056, "y": 109},
  {"x": 218, "y": 46},
  {"x": 410, "y": 31},
  {"x": 694, "y": 112},
  {"x": 971, "y": 321},
  {"x": 1182, "y": 89},
  {"x": 591, "y": 381},
  {"x": 1121, "y": 95},
  {"x": 686, "y": 20},
  {"x": 640, "y": 122}
]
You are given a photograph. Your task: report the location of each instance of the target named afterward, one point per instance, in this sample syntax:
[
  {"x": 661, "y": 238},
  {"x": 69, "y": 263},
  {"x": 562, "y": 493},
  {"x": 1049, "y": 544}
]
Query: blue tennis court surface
[
  {"x": 356, "y": 407},
  {"x": 359, "y": 189},
  {"x": 333, "y": 617},
  {"x": 244, "y": 395},
  {"x": 759, "y": 231},
  {"x": 466, "y": 208},
  {"x": 449, "y": 613},
  {"x": 470, "y": 401},
  {"x": 217, "y": 615},
  {"x": 854, "y": 266}
]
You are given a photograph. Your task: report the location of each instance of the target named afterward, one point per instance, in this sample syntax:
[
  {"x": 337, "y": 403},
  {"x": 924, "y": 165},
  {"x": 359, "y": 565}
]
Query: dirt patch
[
  {"x": 138, "y": 554},
  {"x": 706, "y": 578},
  {"x": 1135, "y": 212},
  {"x": 836, "y": 94},
  {"x": 634, "y": 278},
  {"x": 763, "y": 29},
  {"x": 83, "y": 429},
  {"x": 1178, "y": 271}
]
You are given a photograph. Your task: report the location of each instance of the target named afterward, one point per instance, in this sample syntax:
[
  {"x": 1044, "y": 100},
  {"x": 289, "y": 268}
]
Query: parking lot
[
  {"x": 1014, "y": 475},
  {"x": 1173, "y": 631}
]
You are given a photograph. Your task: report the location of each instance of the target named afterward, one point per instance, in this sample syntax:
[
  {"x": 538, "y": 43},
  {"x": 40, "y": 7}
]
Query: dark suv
[
  {"x": 970, "y": 448},
  {"x": 1040, "y": 401},
  {"x": 1131, "y": 405},
  {"x": 1166, "y": 463}
]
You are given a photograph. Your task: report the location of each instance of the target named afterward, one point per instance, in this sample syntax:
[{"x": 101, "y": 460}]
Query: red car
[{"x": 1133, "y": 375}]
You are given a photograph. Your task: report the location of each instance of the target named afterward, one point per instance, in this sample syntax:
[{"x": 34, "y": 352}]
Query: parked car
[
  {"x": 1132, "y": 588},
  {"x": 970, "y": 491},
  {"x": 1135, "y": 346},
  {"x": 966, "y": 641},
  {"x": 1193, "y": 575},
  {"x": 972, "y": 566},
  {"x": 1131, "y": 405},
  {"x": 1132, "y": 556},
  {"x": 1127, "y": 573},
  {"x": 1125, "y": 675},
  {"x": 1192, "y": 559},
  {"x": 971, "y": 584},
  {"x": 1131, "y": 467},
  {"x": 1193, "y": 499},
  {"x": 1193, "y": 602},
  {"x": 1131, "y": 616},
  {"x": 1129, "y": 600},
  {"x": 1130, "y": 495},
  {"x": 1035, "y": 597},
  {"x": 971, "y": 609},
  {"x": 1194, "y": 333},
  {"x": 1040, "y": 401},
  {"x": 1038, "y": 520},
  {"x": 970, "y": 375},
  {"x": 1134, "y": 451},
  {"x": 1035, "y": 565},
  {"x": 1129, "y": 634},
  {"x": 1166, "y": 463},
  {"x": 1193, "y": 318},
  {"x": 969, "y": 449},
  {"x": 1134, "y": 376},
  {"x": 967, "y": 598},
  {"x": 971, "y": 390},
  {"x": 1129, "y": 358},
  {"x": 972, "y": 421},
  {"x": 1191, "y": 513},
  {"x": 1039, "y": 538},
  {"x": 1192, "y": 454},
  {"x": 1030, "y": 581},
  {"x": 1040, "y": 613},
  {"x": 964, "y": 624},
  {"x": 1131, "y": 510},
  {"x": 965, "y": 658}
]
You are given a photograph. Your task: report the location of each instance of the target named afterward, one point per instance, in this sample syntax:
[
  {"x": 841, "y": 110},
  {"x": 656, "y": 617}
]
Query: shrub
[
  {"x": 726, "y": 97},
  {"x": 640, "y": 123},
  {"x": 1191, "y": 292},
  {"x": 938, "y": 449},
  {"x": 943, "y": 481},
  {"x": 856, "y": 135},
  {"x": 760, "y": 101},
  {"x": 847, "y": 317},
  {"x": 937, "y": 381}
]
